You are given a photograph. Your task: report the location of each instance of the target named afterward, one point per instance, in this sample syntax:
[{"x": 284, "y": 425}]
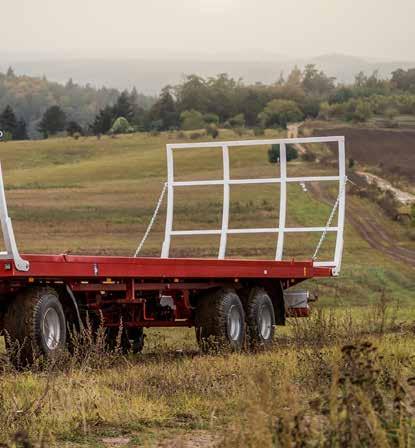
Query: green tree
[
  {"x": 8, "y": 121},
  {"x": 191, "y": 119},
  {"x": 165, "y": 110},
  {"x": 124, "y": 107},
  {"x": 74, "y": 127},
  {"x": 274, "y": 153},
  {"x": 316, "y": 82},
  {"x": 52, "y": 122},
  {"x": 20, "y": 132},
  {"x": 280, "y": 112},
  {"x": 103, "y": 121},
  {"x": 120, "y": 126}
]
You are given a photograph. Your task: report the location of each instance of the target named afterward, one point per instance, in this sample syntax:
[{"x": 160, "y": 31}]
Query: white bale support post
[
  {"x": 283, "y": 202},
  {"x": 170, "y": 203},
  {"x": 8, "y": 233},
  {"x": 342, "y": 207},
  {"x": 226, "y": 200}
]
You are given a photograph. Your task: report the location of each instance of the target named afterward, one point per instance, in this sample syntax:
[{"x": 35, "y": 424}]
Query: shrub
[
  {"x": 211, "y": 119},
  {"x": 120, "y": 126},
  {"x": 192, "y": 119},
  {"x": 274, "y": 153},
  {"x": 212, "y": 131}
]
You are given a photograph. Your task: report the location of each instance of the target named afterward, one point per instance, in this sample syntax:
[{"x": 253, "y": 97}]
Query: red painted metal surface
[{"x": 63, "y": 267}]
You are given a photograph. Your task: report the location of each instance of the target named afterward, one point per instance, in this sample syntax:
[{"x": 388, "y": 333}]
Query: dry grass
[{"x": 326, "y": 382}]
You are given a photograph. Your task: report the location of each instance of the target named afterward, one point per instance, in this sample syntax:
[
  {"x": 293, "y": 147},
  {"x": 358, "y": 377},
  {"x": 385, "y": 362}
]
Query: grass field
[{"x": 97, "y": 196}]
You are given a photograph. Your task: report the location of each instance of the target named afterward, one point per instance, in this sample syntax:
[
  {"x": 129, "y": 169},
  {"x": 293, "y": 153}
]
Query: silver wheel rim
[
  {"x": 234, "y": 323},
  {"x": 51, "y": 328},
  {"x": 265, "y": 322}
]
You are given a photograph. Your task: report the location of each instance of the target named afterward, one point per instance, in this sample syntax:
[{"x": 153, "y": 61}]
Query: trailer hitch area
[
  {"x": 297, "y": 302},
  {"x": 11, "y": 251}
]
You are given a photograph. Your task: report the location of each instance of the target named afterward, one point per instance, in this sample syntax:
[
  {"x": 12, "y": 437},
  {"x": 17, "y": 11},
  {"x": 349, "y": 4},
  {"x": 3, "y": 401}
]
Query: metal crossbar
[{"x": 282, "y": 180}]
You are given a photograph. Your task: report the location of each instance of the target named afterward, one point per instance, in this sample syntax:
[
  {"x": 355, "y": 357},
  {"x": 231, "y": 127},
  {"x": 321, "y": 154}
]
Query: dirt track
[
  {"x": 365, "y": 224},
  {"x": 369, "y": 229}
]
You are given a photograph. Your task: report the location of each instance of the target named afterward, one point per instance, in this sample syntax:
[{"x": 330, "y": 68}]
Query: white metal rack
[{"x": 226, "y": 182}]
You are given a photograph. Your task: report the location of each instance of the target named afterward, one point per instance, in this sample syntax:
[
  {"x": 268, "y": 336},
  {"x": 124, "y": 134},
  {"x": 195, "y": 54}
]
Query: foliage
[
  {"x": 280, "y": 112},
  {"x": 238, "y": 121},
  {"x": 191, "y": 119},
  {"x": 274, "y": 153},
  {"x": 73, "y": 127},
  {"x": 52, "y": 122},
  {"x": 120, "y": 126},
  {"x": 8, "y": 120},
  {"x": 30, "y": 97},
  {"x": 212, "y": 131}
]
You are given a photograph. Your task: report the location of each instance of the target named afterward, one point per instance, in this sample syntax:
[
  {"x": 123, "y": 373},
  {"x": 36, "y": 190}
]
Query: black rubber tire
[
  {"x": 212, "y": 321},
  {"x": 23, "y": 324},
  {"x": 256, "y": 302}
]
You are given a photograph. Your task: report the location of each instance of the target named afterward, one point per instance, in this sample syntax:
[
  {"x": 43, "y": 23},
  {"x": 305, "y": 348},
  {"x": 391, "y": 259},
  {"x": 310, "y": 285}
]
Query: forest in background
[{"x": 201, "y": 103}]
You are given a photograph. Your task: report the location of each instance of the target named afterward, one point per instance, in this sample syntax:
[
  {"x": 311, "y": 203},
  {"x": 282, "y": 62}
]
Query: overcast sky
[{"x": 300, "y": 28}]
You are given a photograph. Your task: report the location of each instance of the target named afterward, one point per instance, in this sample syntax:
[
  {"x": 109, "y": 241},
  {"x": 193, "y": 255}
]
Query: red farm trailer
[{"x": 237, "y": 302}]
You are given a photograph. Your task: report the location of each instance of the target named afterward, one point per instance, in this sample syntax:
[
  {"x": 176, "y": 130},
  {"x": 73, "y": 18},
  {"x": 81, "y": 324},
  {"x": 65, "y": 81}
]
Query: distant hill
[
  {"x": 31, "y": 96},
  {"x": 149, "y": 75}
]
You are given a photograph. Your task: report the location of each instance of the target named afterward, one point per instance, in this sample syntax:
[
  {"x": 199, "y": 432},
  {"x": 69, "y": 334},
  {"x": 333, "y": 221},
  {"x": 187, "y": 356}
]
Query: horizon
[{"x": 300, "y": 29}]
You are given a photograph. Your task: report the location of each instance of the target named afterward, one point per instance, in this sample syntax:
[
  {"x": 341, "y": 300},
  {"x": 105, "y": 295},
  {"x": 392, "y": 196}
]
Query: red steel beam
[{"x": 99, "y": 267}]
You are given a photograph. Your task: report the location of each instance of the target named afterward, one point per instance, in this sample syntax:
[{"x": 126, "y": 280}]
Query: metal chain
[
  {"x": 333, "y": 212},
  {"x": 152, "y": 220}
]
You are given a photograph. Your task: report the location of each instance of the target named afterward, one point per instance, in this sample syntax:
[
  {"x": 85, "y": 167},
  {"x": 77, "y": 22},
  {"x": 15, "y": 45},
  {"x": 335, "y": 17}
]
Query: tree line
[
  {"x": 30, "y": 97},
  {"x": 223, "y": 101}
]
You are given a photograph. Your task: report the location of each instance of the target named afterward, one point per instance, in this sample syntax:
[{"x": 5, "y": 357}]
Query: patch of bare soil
[
  {"x": 195, "y": 439},
  {"x": 392, "y": 150}
]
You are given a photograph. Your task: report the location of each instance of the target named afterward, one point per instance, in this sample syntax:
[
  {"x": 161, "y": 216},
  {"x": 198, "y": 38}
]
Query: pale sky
[{"x": 300, "y": 28}]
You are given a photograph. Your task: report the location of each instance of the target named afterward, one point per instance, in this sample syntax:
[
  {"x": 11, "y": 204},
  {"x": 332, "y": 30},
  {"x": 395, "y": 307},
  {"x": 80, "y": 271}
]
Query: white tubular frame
[
  {"x": 11, "y": 251},
  {"x": 281, "y": 230}
]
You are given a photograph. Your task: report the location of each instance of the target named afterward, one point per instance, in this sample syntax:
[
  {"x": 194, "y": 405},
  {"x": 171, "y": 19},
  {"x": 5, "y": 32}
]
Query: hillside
[{"x": 97, "y": 196}]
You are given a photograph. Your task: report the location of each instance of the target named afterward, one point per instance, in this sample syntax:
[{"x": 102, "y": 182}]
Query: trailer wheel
[
  {"x": 35, "y": 325},
  {"x": 260, "y": 318},
  {"x": 220, "y": 321}
]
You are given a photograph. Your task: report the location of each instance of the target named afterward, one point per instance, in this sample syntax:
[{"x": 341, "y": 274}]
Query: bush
[
  {"x": 191, "y": 119},
  {"x": 274, "y": 153},
  {"x": 211, "y": 119},
  {"x": 120, "y": 126},
  {"x": 238, "y": 121},
  {"x": 212, "y": 131}
]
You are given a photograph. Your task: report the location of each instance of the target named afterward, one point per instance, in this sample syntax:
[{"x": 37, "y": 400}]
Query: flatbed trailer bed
[{"x": 235, "y": 302}]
